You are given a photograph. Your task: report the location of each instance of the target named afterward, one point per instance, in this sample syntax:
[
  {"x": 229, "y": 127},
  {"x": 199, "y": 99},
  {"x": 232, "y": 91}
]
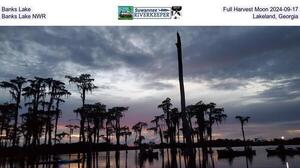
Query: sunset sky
[{"x": 253, "y": 71}]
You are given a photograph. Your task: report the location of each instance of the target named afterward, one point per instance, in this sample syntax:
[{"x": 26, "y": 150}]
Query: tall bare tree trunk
[{"x": 185, "y": 125}]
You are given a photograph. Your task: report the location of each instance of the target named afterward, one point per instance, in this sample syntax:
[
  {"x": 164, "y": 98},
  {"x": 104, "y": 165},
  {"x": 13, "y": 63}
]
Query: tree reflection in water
[{"x": 166, "y": 158}]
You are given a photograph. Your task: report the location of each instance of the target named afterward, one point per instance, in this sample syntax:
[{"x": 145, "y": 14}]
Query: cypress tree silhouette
[
  {"x": 117, "y": 114},
  {"x": 108, "y": 126},
  {"x": 44, "y": 95},
  {"x": 71, "y": 131},
  {"x": 97, "y": 116},
  {"x": 6, "y": 114},
  {"x": 157, "y": 127},
  {"x": 84, "y": 83},
  {"x": 93, "y": 113},
  {"x": 198, "y": 110},
  {"x": 125, "y": 131},
  {"x": 166, "y": 107},
  {"x": 56, "y": 91},
  {"x": 215, "y": 115},
  {"x": 175, "y": 119},
  {"x": 137, "y": 128},
  {"x": 15, "y": 86},
  {"x": 59, "y": 91},
  {"x": 35, "y": 118},
  {"x": 243, "y": 120}
]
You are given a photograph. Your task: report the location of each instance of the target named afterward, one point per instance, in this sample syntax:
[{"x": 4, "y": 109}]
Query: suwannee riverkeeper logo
[{"x": 130, "y": 12}]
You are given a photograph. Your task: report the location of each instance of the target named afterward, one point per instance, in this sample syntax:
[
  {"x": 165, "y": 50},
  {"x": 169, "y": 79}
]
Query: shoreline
[{"x": 104, "y": 147}]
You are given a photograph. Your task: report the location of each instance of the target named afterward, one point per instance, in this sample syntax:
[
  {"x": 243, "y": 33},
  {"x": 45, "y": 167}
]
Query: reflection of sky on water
[{"x": 108, "y": 159}]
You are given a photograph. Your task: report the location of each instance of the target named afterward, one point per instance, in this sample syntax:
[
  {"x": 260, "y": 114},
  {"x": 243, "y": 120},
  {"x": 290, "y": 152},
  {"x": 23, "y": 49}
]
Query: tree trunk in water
[
  {"x": 118, "y": 132},
  {"x": 161, "y": 136},
  {"x": 46, "y": 133},
  {"x": 1, "y": 132},
  {"x": 89, "y": 133},
  {"x": 49, "y": 119},
  {"x": 210, "y": 127},
  {"x": 107, "y": 136},
  {"x": 82, "y": 137},
  {"x": 82, "y": 120},
  {"x": 243, "y": 133},
  {"x": 210, "y": 133},
  {"x": 191, "y": 126},
  {"x": 56, "y": 121},
  {"x": 244, "y": 139},
  {"x": 202, "y": 129},
  {"x": 49, "y": 133},
  {"x": 140, "y": 138},
  {"x": 55, "y": 129},
  {"x": 178, "y": 140},
  {"x": 95, "y": 133},
  {"x": 135, "y": 138},
  {"x": 16, "y": 119},
  {"x": 70, "y": 136}
]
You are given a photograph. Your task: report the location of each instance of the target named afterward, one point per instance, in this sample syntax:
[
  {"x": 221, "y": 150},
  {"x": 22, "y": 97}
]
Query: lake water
[{"x": 166, "y": 160}]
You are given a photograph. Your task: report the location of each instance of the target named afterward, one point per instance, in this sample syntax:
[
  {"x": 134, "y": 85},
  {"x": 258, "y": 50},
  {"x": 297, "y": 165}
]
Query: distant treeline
[{"x": 97, "y": 124}]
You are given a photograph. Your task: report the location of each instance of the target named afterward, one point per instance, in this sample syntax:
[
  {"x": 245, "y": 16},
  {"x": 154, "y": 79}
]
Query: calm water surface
[{"x": 165, "y": 160}]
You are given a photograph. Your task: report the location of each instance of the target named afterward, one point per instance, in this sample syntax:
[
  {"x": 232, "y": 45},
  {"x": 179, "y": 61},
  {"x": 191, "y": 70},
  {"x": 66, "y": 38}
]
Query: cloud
[
  {"x": 158, "y": 86},
  {"x": 209, "y": 52},
  {"x": 283, "y": 90},
  {"x": 227, "y": 84},
  {"x": 261, "y": 52},
  {"x": 295, "y": 132}
]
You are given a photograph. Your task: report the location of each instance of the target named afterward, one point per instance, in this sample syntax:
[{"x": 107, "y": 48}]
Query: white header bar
[{"x": 107, "y": 12}]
